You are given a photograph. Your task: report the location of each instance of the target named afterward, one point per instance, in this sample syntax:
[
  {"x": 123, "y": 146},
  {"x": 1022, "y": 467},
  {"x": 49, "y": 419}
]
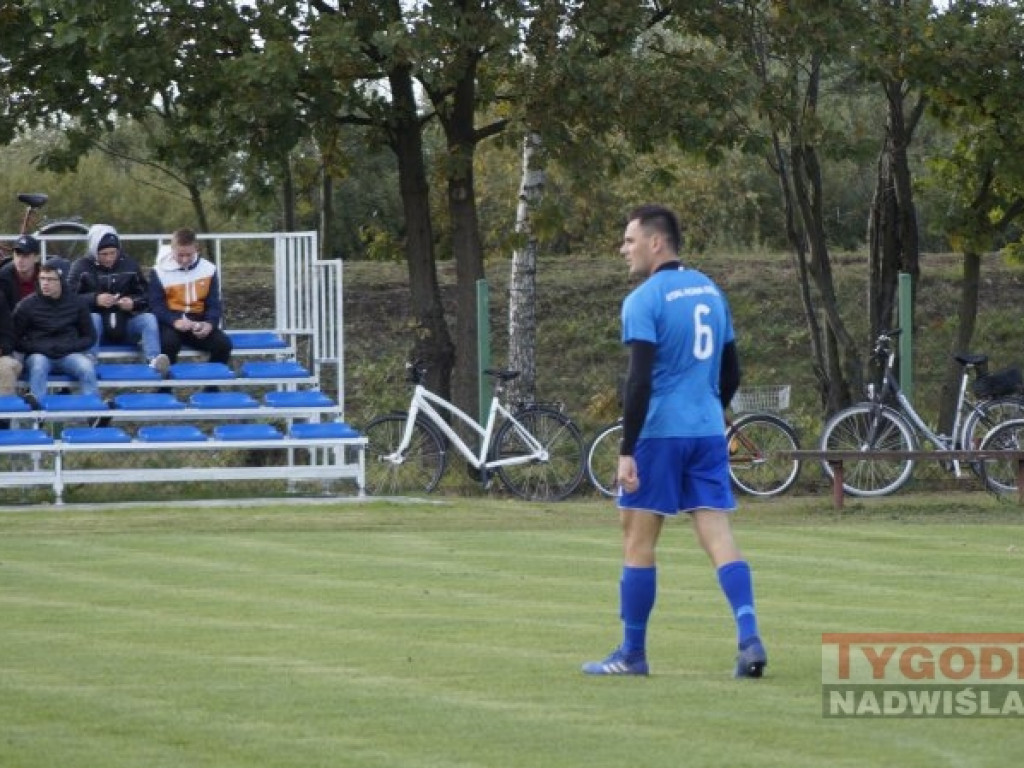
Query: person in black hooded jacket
[
  {"x": 53, "y": 329},
  {"x": 116, "y": 290},
  {"x": 10, "y": 365}
]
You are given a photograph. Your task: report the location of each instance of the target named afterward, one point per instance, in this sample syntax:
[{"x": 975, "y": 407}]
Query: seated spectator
[
  {"x": 184, "y": 294},
  {"x": 116, "y": 290},
  {"x": 10, "y": 362},
  {"x": 18, "y": 277},
  {"x": 53, "y": 329}
]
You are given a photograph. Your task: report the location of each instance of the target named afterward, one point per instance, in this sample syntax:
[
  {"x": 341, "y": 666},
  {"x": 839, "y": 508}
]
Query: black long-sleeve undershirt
[{"x": 637, "y": 395}]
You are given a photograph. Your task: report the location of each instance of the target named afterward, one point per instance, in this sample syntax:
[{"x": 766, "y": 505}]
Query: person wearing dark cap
[
  {"x": 117, "y": 292},
  {"x": 18, "y": 277}
]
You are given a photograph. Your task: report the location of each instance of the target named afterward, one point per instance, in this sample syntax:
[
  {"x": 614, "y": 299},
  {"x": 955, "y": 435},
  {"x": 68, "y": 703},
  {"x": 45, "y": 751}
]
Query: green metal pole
[
  {"x": 483, "y": 347},
  {"x": 906, "y": 304}
]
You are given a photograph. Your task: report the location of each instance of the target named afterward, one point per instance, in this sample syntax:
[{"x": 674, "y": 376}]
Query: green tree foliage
[
  {"x": 396, "y": 127},
  {"x": 127, "y": 195}
]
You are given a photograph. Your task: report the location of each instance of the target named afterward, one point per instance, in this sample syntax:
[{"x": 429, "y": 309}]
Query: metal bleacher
[{"x": 268, "y": 418}]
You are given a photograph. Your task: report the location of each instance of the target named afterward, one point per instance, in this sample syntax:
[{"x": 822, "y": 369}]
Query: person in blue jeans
[
  {"x": 117, "y": 292},
  {"x": 53, "y": 330},
  {"x": 683, "y": 371}
]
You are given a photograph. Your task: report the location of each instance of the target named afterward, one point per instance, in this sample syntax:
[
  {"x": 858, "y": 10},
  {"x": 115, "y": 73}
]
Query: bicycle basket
[
  {"x": 1004, "y": 382},
  {"x": 772, "y": 398}
]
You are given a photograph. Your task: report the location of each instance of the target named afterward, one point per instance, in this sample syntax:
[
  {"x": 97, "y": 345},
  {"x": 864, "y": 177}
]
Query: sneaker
[
  {"x": 618, "y": 663},
  {"x": 33, "y": 401},
  {"x": 751, "y": 661},
  {"x": 161, "y": 363}
]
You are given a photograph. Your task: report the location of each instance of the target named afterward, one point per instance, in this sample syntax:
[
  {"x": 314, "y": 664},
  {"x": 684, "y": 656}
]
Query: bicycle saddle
[
  {"x": 502, "y": 374},
  {"x": 970, "y": 358},
  {"x": 33, "y": 199}
]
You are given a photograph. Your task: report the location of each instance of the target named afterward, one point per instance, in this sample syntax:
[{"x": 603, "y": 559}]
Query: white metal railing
[{"x": 307, "y": 290}]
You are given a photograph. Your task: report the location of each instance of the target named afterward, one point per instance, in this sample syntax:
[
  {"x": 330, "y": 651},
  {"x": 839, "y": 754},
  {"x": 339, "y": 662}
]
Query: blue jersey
[{"x": 685, "y": 315}]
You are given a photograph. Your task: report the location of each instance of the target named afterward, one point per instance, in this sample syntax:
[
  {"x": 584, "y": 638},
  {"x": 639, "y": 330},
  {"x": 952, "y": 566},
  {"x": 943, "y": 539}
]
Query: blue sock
[
  {"x": 637, "y": 591},
  {"x": 738, "y": 587}
]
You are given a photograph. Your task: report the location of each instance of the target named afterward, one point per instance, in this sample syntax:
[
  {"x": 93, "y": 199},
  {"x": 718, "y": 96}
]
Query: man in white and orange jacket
[{"x": 184, "y": 294}]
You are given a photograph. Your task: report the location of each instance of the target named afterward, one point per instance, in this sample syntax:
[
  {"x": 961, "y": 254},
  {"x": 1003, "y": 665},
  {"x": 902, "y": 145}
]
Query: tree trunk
[
  {"x": 195, "y": 196},
  {"x": 326, "y": 212},
  {"x": 843, "y": 360},
  {"x": 433, "y": 342},
  {"x": 288, "y": 197},
  {"x": 967, "y": 315},
  {"x": 893, "y": 241},
  {"x": 522, "y": 298},
  {"x": 798, "y": 243},
  {"x": 458, "y": 120}
]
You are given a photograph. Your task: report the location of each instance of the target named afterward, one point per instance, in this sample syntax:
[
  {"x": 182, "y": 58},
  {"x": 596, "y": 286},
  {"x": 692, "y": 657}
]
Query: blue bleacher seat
[
  {"x": 13, "y": 404},
  {"x": 256, "y": 340},
  {"x": 94, "y": 435},
  {"x": 246, "y": 432},
  {"x": 24, "y": 437},
  {"x": 118, "y": 349},
  {"x": 126, "y": 372},
  {"x": 301, "y": 398},
  {"x": 200, "y": 371},
  {"x": 223, "y": 400},
  {"x": 171, "y": 434},
  {"x": 262, "y": 369},
  {"x": 73, "y": 403},
  {"x": 338, "y": 429},
  {"x": 148, "y": 401}
]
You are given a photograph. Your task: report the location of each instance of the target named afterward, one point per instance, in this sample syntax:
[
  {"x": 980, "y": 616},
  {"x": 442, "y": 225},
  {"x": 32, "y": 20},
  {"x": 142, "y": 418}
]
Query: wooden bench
[{"x": 836, "y": 459}]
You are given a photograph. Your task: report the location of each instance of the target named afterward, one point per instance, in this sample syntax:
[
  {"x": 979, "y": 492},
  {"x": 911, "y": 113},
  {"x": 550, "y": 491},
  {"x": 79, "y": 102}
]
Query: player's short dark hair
[
  {"x": 660, "y": 219},
  {"x": 184, "y": 236}
]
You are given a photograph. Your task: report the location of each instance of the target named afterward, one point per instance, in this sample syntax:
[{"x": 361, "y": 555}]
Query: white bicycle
[{"x": 536, "y": 450}]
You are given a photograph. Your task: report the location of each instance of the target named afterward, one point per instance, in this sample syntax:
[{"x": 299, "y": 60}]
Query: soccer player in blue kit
[{"x": 683, "y": 371}]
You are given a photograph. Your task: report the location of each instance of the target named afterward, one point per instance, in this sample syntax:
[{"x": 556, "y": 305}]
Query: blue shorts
[{"x": 681, "y": 474}]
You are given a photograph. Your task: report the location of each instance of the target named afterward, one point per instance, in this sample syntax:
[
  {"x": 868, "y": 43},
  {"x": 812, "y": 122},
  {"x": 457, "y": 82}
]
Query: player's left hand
[{"x": 627, "y": 476}]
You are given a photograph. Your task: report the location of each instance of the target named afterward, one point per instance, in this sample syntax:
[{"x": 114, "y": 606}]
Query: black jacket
[
  {"x": 6, "y": 327},
  {"x": 88, "y": 278},
  {"x": 9, "y": 284},
  {"x": 53, "y": 327}
]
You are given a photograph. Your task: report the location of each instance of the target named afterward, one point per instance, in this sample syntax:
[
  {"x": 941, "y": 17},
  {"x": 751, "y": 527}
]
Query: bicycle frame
[
  {"x": 426, "y": 402},
  {"x": 891, "y": 385}
]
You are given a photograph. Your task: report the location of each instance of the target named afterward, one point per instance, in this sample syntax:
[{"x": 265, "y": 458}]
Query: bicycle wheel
[
  {"x": 866, "y": 428},
  {"x": 69, "y": 249},
  {"x": 603, "y": 459},
  {"x": 535, "y": 480},
  {"x": 754, "y": 463},
  {"x": 1000, "y": 475},
  {"x": 986, "y": 416},
  {"x": 418, "y": 470}
]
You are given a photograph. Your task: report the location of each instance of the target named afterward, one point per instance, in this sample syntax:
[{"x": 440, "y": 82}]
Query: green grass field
[{"x": 450, "y": 633}]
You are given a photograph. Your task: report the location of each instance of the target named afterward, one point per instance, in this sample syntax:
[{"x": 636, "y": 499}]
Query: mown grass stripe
[{"x": 453, "y": 637}]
